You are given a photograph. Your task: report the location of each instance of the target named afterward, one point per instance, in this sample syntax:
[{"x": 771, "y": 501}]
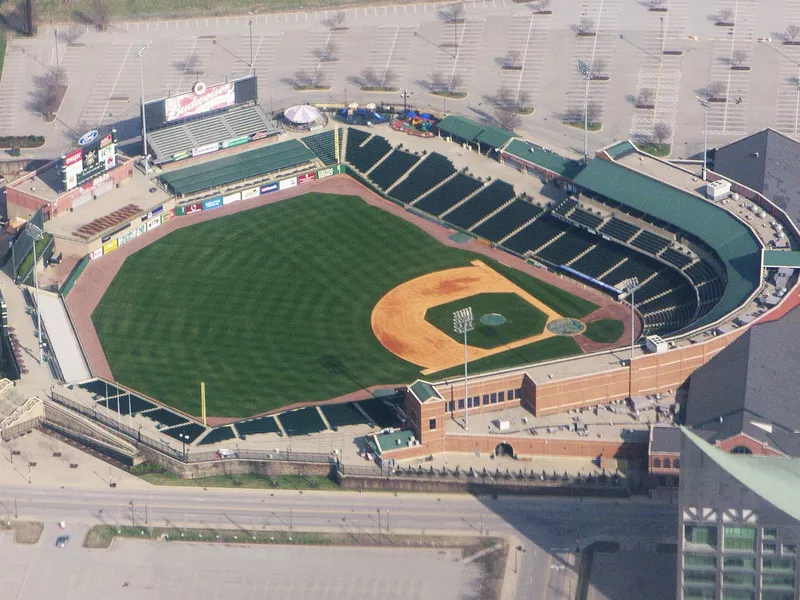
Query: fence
[
  {"x": 23, "y": 245},
  {"x": 73, "y": 276},
  {"x": 190, "y": 457}
]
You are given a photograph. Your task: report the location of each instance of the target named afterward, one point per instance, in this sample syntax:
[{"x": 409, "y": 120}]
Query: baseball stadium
[{"x": 269, "y": 281}]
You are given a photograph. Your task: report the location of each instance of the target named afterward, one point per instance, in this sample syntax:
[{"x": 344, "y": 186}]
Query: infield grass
[
  {"x": 272, "y": 306},
  {"x": 522, "y": 319},
  {"x": 604, "y": 331}
]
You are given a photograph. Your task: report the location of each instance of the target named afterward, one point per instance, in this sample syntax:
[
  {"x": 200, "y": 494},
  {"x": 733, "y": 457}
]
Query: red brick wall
[{"x": 755, "y": 446}]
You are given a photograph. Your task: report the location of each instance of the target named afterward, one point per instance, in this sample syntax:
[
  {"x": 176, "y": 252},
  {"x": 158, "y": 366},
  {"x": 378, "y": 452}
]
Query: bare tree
[
  {"x": 456, "y": 83},
  {"x": 507, "y": 119},
  {"x": 592, "y": 113},
  {"x": 716, "y": 89},
  {"x": 662, "y": 132},
  {"x": 437, "y": 81},
  {"x": 541, "y": 5},
  {"x": 739, "y": 57},
  {"x": 645, "y": 96},
  {"x": 792, "y": 31},
  {"x": 390, "y": 78},
  {"x": 586, "y": 25},
  {"x": 101, "y": 14},
  {"x": 72, "y": 33},
  {"x": 328, "y": 53},
  {"x": 654, "y": 4},
  {"x": 725, "y": 17},
  {"x": 339, "y": 18},
  {"x": 511, "y": 58},
  {"x": 370, "y": 77},
  {"x": 303, "y": 78},
  {"x": 454, "y": 12},
  {"x": 49, "y": 92},
  {"x": 599, "y": 67},
  {"x": 190, "y": 65},
  {"x": 523, "y": 100}
]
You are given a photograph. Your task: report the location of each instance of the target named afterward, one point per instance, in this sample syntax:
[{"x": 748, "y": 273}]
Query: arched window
[
  {"x": 676, "y": 464},
  {"x": 657, "y": 463},
  {"x": 667, "y": 464},
  {"x": 741, "y": 450}
]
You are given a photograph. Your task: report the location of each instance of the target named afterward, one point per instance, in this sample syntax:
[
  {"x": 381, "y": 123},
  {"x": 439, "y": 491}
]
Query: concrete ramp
[{"x": 63, "y": 340}]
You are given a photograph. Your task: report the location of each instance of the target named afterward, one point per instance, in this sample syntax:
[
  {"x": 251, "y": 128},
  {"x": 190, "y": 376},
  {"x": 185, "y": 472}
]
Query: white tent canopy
[{"x": 301, "y": 114}]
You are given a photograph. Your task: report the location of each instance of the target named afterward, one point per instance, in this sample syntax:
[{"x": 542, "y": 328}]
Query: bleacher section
[
  {"x": 381, "y": 413},
  {"x": 165, "y": 417},
  {"x": 365, "y": 157},
  {"x": 585, "y": 218},
  {"x": 675, "y": 258},
  {"x": 481, "y": 205},
  {"x": 637, "y": 266},
  {"x": 600, "y": 259},
  {"x": 619, "y": 229},
  {"x": 127, "y": 403},
  {"x": 342, "y": 415},
  {"x": 448, "y": 194},
  {"x": 428, "y": 174},
  {"x": 507, "y": 220},
  {"x": 322, "y": 145},
  {"x": 187, "y": 433},
  {"x": 217, "y": 435},
  {"x": 565, "y": 206},
  {"x": 355, "y": 137},
  {"x": 535, "y": 235},
  {"x": 650, "y": 242},
  {"x": 234, "y": 123},
  {"x": 302, "y": 421},
  {"x": 566, "y": 248},
  {"x": 394, "y": 166},
  {"x": 257, "y": 426}
]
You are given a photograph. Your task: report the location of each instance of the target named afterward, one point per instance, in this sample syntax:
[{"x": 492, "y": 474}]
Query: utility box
[
  {"x": 503, "y": 425},
  {"x": 719, "y": 189},
  {"x": 654, "y": 344}
]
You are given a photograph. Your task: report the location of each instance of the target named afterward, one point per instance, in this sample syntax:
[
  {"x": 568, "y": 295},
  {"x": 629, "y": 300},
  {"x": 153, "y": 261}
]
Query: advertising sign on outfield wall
[
  {"x": 208, "y": 148},
  {"x": 236, "y": 142},
  {"x": 167, "y": 215},
  {"x": 109, "y": 246},
  {"x": 96, "y": 254},
  {"x": 155, "y": 211},
  {"x": 270, "y": 187},
  {"x": 231, "y": 198},
  {"x": 192, "y": 209},
  {"x": 288, "y": 183},
  {"x": 153, "y": 223},
  {"x": 306, "y": 178},
  {"x": 212, "y": 203},
  {"x": 247, "y": 194},
  {"x": 323, "y": 173}
]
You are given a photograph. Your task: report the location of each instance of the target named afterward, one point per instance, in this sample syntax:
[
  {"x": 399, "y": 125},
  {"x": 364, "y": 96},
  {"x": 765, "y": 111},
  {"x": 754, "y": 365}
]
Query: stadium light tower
[
  {"x": 630, "y": 286},
  {"x": 463, "y": 323},
  {"x": 586, "y": 71},
  {"x": 704, "y": 104},
  {"x": 36, "y": 234},
  {"x": 141, "y": 54}
]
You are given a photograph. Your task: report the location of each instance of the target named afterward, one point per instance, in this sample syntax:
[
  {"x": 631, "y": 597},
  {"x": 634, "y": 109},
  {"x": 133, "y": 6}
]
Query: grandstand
[
  {"x": 619, "y": 229},
  {"x": 392, "y": 168},
  {"x": 425, "y": 176},
  {"x": 483, "y": 204},
  {"x": 365, "y": 155},
  {"x": 512, "y": 217},
  {"x": 232, "y": 169},
  {"x": 303, "y": 421},
  {"x": 343, "y": 415},
  {"x": 234, "y": 124},
  {"x": 323, "y": 146},
  {"x": 602, "y": 259},
  {"x": 448, "y": 195},
  {"x": 541, "y": 232}
]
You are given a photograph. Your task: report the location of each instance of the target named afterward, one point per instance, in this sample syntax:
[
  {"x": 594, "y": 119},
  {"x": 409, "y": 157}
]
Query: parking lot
[
  {"x": 163, "y": 570},
  {"x": 416, "y": 44}
]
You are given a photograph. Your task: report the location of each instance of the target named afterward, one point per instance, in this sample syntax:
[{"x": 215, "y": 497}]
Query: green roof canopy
[
  {"x": 235, "y": 168},
  {"x": 544, "y": 158},
  {"x": 475, "y": 132},
  {"x": 782, "y": 258},
  {"x": 424, "y": 390},
  {"x": 736, "y": 245},
  {"x": 775, "y": 479}
]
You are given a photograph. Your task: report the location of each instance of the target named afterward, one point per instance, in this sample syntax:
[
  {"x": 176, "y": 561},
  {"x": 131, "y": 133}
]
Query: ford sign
[{"x": 88, "y": 137}]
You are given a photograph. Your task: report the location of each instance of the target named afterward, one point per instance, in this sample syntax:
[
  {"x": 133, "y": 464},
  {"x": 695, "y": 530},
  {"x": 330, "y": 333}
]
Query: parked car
[{"x": 62, "y": 541}]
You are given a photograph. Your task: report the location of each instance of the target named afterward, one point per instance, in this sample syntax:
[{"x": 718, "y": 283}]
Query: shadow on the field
[{"x": 333, "y": 364}]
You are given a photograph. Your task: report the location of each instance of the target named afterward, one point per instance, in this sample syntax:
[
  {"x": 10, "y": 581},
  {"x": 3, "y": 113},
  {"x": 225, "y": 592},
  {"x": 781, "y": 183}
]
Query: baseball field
[{"x": 277, "y": 304}]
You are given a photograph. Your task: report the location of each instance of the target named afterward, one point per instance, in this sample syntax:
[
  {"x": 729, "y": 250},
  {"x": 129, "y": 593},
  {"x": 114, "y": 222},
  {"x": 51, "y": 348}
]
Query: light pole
[
  {"x": 463, "y": 323},
  {"x": 141, "y": 53},
  {"x": 184, "y": 437},
  {"x": 586, "y": 71},
  {"x": 704, "y": 104},
  {"x": 36, "y": 234},
  {"x": 629, "y": 286},
  {"x": 251, "y": 47},
  {"x": 405, "y": 94}
]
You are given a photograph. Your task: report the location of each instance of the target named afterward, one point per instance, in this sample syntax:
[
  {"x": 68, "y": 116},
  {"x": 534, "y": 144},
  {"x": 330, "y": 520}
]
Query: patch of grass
[
  {"x": 451, "y": 95},
  {"x": 604, "y": 331},
  {"x": 564, "y": 303},
  {"x": 3, "y": 42},
  {"x": 549, "y": 349},
  {"x": 25, "y": 532},
  {"x": 655, "y": 149},
  {"x": 280, "y": 319},
  {"x": 522, "y": 319},
  {"x": 250, "y": 481},
  {"x": 579, "y": 125}
]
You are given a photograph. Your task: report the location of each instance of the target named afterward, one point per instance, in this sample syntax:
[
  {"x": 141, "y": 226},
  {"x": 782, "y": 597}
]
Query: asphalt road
[{"x": 544, "y": 525}]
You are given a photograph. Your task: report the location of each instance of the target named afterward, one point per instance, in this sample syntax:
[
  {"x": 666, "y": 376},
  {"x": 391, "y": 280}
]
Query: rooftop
[
  {"x": 546, "y": 159},
  {"x": 472, "y": 131}
]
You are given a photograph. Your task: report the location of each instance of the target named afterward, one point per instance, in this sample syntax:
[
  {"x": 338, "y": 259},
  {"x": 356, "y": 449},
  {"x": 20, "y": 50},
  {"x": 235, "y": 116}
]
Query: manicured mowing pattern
[
  {"x": 604, "y": 331},
  {"x": 522, "y": 319},
  {"x": 272, "y": 306}
]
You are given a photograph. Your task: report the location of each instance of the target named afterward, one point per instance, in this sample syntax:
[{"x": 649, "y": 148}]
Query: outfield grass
[
  {"x": 522, "y": 319},
  {"x": 272, "y": 306},
  {"x": 604, "y": 331}
]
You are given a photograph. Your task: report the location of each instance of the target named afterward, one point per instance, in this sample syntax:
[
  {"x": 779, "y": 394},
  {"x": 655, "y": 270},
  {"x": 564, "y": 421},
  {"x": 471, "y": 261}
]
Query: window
[
  {"x": 452, "y": 405},
  {"x": 676, "y": 464},
  {"x": 741, "y": 579},
  {"x": 701, "y": 535},
  {"x": 666, "y": 463},
  {"x": 700, "y": 576},
  {"x": 741, "y": 450},
  {"x": 699, "y": 560},
  {"x": 770, "y": 533},
  {"x": 789, "y": 549},
  {"x": 692, "y": 593},
  {"x": 777, "y": 580},
  {"x": 740, "y": 538},
  {"x": 770, "y": 548},
  {"x": 432, "y": 424},
  {"x": 517, "y": 393},
  {"x": 774, "y": 595},
  {"x": 461, "y": 404},
  {"x": 500, "y": 396},
  {"x": 510, "y": 394},
  {"x": 739, "y": 562},
  {"x": 485, "y": 399},
  {"x": 778, "y": 565},
  {"x": 656, "y": 463},
  {"x": 494, "y": 398},
  {"x": 738, "y": 595}
]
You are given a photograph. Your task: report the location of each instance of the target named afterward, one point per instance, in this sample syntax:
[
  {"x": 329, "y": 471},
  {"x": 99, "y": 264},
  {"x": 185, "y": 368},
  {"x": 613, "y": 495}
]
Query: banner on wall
[
  {"x": 247, "y": 194},
  {"x": 167, "y": 215},
  {"x": 212, "y": 203},
  {"x": 288, "y": 183},
  {"x": 96, "y": 253},
  {"x": 201, "y": 99},
  {"x": 231, "y": 198},
  {"x": 236, "y": 142},
  {"x": 110, "y": 246},
  {"x": 306, "y": 178},
  {"x": 181, "y": 155},
  {"x": 155, "y": 211},
  {"x": 193, "y": 209},
  {"x": 323, "y": 173},
  {"x": 153, "y": 223},
  {"x": 206, "y": 149},
  {"x": 270, "y": 187}
]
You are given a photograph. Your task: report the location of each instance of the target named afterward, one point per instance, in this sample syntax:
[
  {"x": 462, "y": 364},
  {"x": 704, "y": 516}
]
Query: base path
[{"x": 398, "y": 320}]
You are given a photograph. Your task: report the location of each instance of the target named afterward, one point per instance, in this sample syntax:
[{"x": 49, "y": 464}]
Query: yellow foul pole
[{"x": 203, "y": 401}]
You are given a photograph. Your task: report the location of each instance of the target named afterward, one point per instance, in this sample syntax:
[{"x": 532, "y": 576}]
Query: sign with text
[
  {"x": 96, "y": 253},
  {"x": 207, "y": 149},
  {"x": 306, "y": 178},
  {"x": 231, "y": 198},
  {"x": 212, "y": 203},
  {"x": 247, "y": 194},
  {"x": 288, "y": 183},
  {"x": 200, "y": 100},
  {"x": 270, "y": 187},
  {"x": 110, "y": 246},
  {"x": 193, "y": 208}
]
